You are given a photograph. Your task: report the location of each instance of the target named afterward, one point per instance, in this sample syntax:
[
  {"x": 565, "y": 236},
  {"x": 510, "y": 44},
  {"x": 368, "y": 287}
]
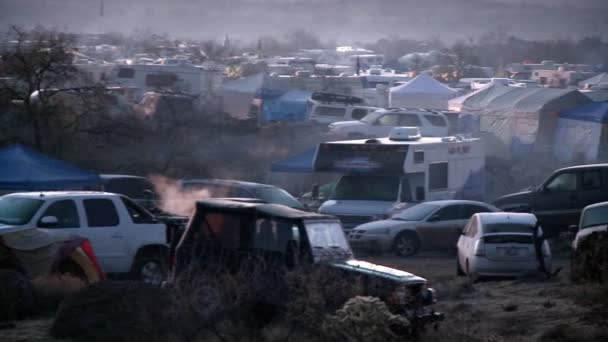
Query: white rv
[{"x": 387, "y": 174}]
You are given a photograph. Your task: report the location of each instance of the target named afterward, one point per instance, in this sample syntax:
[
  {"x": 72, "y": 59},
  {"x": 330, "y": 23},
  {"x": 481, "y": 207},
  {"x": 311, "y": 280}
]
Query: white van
[{"x": 325, "y": 108}]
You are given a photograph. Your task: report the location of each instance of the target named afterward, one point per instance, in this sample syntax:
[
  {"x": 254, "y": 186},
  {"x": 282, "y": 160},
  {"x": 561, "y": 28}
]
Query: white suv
[
  {"x": 381, "y": 122},
  {"x": 325, "y": 108}
]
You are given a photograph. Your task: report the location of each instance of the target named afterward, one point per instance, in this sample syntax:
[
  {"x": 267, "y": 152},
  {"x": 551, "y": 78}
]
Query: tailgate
[{"x": 509, "y": 247}]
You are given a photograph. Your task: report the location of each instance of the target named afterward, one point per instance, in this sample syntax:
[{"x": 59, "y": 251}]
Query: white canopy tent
[{"x": 421, "y": 92}]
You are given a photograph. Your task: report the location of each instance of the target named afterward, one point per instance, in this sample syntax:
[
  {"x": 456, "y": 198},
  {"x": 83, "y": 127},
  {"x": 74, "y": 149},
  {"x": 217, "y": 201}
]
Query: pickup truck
[{"x": 126, "y": 238}]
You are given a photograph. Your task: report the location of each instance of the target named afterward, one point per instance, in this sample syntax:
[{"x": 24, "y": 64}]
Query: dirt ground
[{"x": 525, "y": 309}]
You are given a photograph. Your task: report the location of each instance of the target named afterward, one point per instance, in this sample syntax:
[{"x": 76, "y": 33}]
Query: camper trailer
[{"x": 380, "y": 176}]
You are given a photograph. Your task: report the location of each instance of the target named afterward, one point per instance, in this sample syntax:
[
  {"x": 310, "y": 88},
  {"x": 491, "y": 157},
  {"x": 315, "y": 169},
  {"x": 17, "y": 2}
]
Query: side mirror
[
  {"x": 573, "y": 228},
  {"x": 48, "y": 222}
]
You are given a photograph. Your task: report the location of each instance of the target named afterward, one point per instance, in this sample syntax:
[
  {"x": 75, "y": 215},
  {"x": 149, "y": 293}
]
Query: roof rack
[{"x": 336, "y": 98}]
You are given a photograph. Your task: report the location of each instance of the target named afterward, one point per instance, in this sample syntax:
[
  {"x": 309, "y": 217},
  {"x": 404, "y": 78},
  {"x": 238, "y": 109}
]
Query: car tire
[
  {"x": 150, "y": 270},
  {"x": 459, "y": 271},
  {"x": 406, "y": 244}
]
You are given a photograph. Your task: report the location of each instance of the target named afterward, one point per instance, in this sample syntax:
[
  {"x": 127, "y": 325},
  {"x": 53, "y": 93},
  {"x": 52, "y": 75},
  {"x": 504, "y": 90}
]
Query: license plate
[{"x": 511, "y": 251}]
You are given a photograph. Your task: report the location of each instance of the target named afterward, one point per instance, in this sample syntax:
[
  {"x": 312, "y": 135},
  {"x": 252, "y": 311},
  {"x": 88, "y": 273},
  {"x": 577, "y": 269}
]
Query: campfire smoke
[{"x": 176, "y": 200}]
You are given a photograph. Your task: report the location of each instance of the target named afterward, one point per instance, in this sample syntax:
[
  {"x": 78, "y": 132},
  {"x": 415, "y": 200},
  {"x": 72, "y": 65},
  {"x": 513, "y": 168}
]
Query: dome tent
[{"x": 421, "y": 92}]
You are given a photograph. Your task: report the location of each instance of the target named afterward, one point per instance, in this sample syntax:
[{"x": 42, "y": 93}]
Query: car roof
[
  {"x": 596, "y": 205},
  {"x": 108, "y": 176},
  {"x": 580, "y": 167},
  {"x": 410, "y": 111},
  {"x": 55, "y": 194},
  {"x": 275, "y": 210},
  {"x": 506, "y": 217},
  {"x": 452, "y": 202},
  {"x": 226, "y": 182}
]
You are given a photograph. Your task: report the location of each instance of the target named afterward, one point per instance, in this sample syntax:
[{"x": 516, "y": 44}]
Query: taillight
[
  {"x": 88, "y": 250},
  {"x": 480, "y": 248}
]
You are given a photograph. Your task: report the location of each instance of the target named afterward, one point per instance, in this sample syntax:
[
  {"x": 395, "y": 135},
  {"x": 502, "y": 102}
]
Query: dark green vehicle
[{"x": 229, "y": 231}]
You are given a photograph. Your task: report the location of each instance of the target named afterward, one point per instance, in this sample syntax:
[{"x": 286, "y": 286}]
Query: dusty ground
[{"x": 527, "y": 309}]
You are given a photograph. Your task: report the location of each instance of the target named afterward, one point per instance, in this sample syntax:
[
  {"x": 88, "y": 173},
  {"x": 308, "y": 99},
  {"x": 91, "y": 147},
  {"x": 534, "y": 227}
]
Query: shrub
[{"x": 51, "y": 290}]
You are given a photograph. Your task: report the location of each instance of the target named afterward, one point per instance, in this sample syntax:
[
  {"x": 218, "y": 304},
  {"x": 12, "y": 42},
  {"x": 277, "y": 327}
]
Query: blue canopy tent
[
  {"x": 299, "y": 163},
  {"x": 581, "y": 133},
  {"x": 283, "y": 104},
  {"x": 24, "y": 169}
]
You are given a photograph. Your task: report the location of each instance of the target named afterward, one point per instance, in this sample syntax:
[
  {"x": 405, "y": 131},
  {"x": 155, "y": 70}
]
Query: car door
[
  {"x": 557, "y": 202},
  {"x": 104, "y": 230},
  {"x": 592, "y": 188},
  {"x": 383, "y": 125},
  {"x": 66, "y": 213},
  {"x": 438, "y": 229}
]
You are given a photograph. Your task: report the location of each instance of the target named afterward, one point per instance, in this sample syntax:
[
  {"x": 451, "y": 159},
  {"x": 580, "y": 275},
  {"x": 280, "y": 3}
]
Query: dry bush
[
  {"x": 569, "y": 333},
  {"x": 454, "y": 288},
  {"x": 16, "y": 297},
  {"x": 51, "y": 290},
  {"x": 590, "y": 261}
]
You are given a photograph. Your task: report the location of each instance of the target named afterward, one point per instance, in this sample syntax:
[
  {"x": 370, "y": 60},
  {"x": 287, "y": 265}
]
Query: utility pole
[{"x": 101, "y": 8}]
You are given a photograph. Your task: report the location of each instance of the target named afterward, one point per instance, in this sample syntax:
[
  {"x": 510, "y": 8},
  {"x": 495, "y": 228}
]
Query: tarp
[
  {"x": 597, "y": 79},
  {"x": 421, "y": 92},
  {"x": 283, "y": 105},
  {"x": 24, "y": 169},
  {"x": 299, "y": 163},
  {"x": 238, "y": 94},
  {"x": 579, "y": 132}
]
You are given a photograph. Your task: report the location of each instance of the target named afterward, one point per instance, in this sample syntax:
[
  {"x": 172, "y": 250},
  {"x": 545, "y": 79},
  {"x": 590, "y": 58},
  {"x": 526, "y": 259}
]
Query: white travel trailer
[
  {"x": 383, "y": 175},
  {"x": 201, "y": 81}
]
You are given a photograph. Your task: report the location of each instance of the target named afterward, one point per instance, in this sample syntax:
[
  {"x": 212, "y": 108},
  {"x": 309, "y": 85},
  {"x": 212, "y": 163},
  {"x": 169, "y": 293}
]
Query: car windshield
[
  {"x": 595, "y": 217},
  {"x": 278, "y": 196},
  {"x": 326, "y": 235},
  {"x": 415, "y": 213},
  {"x": 18, "y": 211},
  {"x": 366, "y": 188},
  {"x": 371, "y": 118}
]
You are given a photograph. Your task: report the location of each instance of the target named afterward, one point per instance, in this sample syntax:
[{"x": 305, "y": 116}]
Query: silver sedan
[{"x": 433, "y": 225}]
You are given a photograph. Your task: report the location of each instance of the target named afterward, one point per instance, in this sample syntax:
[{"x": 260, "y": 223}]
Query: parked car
[
  {"x": 433, "y": 225},
  {"x": 126, "y": 238},
  {"x": 558, "y": 202},
  {"x": 500, "y": 244},
  {"x": 137, "y": 188},
  {"x": 38, "y": 252},
  {"x": 237, "y": 189},
  {"x": 593, "y": 219},
  {"x": 325, "y": 108},
  {"x": 381, "y": 122},
  {"x": 223, "y": 233}
]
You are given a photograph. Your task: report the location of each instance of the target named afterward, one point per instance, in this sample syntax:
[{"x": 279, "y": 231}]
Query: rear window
[
  {"x": 507, "y": 228},
  {"x": 508, "y": 239}
]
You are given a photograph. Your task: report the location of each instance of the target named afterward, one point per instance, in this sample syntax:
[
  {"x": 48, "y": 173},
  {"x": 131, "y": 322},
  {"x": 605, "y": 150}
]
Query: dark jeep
[{"x": 230, "y": 231}]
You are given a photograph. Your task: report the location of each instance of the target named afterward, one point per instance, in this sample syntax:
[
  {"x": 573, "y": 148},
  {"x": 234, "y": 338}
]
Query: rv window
[
  {"x": 418, "y": 157},
  {"x": 359, "y": 113},
  {"x": 438, "y": 176},
  {"x": 126, "y": 73},
  {"x": 409, "y": 120},
  {"x": 435, "y": 120},
  {"x": 161, "y": 80},
  {"x": 330, "y": 111}
]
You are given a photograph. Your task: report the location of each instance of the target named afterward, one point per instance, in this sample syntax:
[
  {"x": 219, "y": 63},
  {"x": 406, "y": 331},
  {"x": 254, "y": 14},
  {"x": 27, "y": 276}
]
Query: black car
[
  {"x": 559, "y": 201},
  {"x": 230, "y": 231}
]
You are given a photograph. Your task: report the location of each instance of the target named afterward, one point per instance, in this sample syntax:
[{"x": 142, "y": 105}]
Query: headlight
[{"x": 384, "y": 231}]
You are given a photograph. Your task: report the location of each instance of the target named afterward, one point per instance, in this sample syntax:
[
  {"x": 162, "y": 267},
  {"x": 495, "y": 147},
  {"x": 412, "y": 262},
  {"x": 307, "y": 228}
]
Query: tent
[
  {"x": 523, "y": 119},
  {"x": 283, "y": 105},
  {"x": 238, "y": 94},
  {"x": 421, "y": 92},
  {"x": 299, "y": 163},
  {"x": 582, "y": 133},
  {"x": 24, "y": 169}
]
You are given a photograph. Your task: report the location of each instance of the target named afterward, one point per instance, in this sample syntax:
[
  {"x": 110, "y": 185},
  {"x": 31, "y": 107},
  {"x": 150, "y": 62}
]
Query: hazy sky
[{"x": 345, "y": 20}]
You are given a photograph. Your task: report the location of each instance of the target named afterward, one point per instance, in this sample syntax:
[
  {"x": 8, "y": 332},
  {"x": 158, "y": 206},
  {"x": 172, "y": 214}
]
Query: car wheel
[
  {"x": 459, "y": 270},
  {"x": 150, "y": 271},
  {"x": 406, "y": 244}
]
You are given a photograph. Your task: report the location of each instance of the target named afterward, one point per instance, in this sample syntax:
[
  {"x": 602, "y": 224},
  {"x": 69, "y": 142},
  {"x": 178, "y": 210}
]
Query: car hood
[
  {"x": 584, "y": 233},
  {"x": 523, "y": 197},
  {"x": 342, "y": 124},
  {"x": 368, "y": 268},
  {"x": 358, "y": 208},
  {"x": 383, "y": 224}
]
